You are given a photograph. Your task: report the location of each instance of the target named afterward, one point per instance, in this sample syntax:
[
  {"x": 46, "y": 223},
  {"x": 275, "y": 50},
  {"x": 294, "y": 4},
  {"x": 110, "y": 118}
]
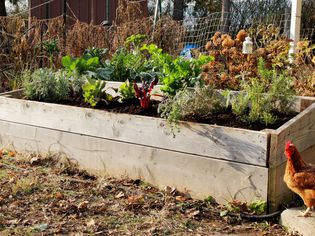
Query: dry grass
[{"x": 41, "y": 195}]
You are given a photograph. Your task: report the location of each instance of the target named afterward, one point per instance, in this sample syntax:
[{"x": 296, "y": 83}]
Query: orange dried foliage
[{"x": 230, "y": 62}]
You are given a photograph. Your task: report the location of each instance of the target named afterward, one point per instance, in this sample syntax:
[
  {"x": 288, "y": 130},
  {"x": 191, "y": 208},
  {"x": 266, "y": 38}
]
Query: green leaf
[
  {"x": 104, "y": 73},
  {"x": 66, "y": 61},
  {"x": 224, "y": 213},
  {"x": 92, "y": 62}
]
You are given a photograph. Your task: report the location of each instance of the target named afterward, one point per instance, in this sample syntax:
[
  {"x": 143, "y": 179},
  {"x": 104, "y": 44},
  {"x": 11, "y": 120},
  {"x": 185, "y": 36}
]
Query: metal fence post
[{"x": 295, "y": 27}]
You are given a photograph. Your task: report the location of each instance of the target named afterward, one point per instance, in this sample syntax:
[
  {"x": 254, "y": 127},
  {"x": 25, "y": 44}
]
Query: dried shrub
[
  {"x": 82, "y": 36},
  {"x": 129, "y": 11},
  {"x": 231, "y": 64},
  {"x": 168, "y": 35},
  {"x": 126, "y": 29}
]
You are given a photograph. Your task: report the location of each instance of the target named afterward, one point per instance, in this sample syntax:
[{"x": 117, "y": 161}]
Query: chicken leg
[{"x": 306, "y": 213}]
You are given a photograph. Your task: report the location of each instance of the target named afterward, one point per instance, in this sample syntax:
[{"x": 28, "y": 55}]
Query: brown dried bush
[
  {"x": 230, "y": 63},
  {"x": 83, "y": 35}
]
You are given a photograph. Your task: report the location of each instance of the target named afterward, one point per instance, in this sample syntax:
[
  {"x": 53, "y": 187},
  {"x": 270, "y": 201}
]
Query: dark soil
[
  {"x": 45, "y": 196},
  {"x": 224, "y": 118}
]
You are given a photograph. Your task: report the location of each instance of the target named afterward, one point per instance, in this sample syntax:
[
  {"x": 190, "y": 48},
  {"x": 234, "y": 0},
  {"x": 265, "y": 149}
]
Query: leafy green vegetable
[
  {"x": 144, "y": 92},
  {"x": 127, "y": 91},
  {"x": 94, "y": 92},
  {"x": 80, "y": 65},
  {"x": 126, "y": 64},
  {"x": 258, "y": 206}
]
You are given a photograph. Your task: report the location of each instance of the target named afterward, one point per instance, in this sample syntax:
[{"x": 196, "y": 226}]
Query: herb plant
[
  {"x": 262, "y": 97},
  {"x": 47, "y": 85},
  {"x": 199, "y": 102},
  {"x": 76, "y": 81}
]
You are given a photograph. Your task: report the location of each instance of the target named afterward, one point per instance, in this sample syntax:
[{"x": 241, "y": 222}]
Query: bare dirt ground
[{"x": 45, "y": 196}]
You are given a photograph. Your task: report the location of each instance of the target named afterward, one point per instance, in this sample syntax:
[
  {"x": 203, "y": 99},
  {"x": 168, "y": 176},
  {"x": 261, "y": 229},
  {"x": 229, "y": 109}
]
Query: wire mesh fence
[{"x": 22, "y": 40}]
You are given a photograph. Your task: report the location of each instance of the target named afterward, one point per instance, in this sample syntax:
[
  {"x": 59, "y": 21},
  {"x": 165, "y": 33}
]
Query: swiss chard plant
[{"x": 143, "y": 93}]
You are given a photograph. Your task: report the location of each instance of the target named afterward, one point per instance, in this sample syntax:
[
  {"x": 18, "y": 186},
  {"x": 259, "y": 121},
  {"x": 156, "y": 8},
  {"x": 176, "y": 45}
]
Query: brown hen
[{"x": 300, "y": 177}]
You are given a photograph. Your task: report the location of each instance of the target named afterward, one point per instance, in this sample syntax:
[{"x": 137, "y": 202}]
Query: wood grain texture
[
  {"x": 200, "y": 176},
  {"x": 301, "y": 131},
  {"x": 238, "y": 145}
]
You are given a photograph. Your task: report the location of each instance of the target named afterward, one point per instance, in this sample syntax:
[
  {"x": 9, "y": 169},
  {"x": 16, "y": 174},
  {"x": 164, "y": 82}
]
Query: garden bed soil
[
  {"x": 45, "y": 196},
  {"x": 223, "y": 118}
]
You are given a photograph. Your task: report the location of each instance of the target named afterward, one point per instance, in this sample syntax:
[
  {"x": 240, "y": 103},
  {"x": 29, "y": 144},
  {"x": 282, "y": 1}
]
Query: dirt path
[{"x": 43, "y": 196}]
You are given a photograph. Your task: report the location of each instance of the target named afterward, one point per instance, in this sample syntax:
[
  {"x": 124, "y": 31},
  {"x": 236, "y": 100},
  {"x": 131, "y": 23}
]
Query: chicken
[{"x": 300, "y": 177}]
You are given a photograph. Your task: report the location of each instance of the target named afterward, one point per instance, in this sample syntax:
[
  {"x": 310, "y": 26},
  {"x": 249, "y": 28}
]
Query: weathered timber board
[
  {"x": 301, "y": 131},
  {"x": 198, "y": 175},
  {"x": 237, "y": 145}
]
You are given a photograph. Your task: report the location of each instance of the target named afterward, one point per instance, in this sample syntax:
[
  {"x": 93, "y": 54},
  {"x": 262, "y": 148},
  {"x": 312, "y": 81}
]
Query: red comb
[{"x": 288, "y": 144}]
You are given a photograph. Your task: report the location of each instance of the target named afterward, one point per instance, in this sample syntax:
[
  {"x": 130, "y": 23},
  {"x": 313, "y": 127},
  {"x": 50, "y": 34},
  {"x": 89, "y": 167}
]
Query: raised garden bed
[{"x": 223, "y": 162}]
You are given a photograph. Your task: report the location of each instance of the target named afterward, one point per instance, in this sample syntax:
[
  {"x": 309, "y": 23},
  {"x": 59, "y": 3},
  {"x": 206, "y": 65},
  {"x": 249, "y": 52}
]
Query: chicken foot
[{"x": 306, "y": 213}]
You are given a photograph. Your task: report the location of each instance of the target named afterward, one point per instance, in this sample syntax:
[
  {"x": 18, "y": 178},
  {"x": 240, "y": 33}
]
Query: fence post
[
  {"x": 47, "y": 10},
  {"x": 295, "y": 27},
  {"x": 93, "y": 12},
  {"x": 157, "y": 9},
  {"x": 65, "y": 23}
]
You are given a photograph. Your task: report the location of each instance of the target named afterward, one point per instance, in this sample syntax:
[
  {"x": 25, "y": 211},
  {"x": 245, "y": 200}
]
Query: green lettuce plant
[
  {"x": 94, "y": 91},
  {"x": 127, "y": 91}
]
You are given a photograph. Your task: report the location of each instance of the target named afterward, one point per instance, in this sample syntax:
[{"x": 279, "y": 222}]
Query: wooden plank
[
  {"x": 239, "y": 145},
  {"x": 13, "y": 94},
  {"x": 200, "y": 176},
  {"x": 301, "y": 131}
]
